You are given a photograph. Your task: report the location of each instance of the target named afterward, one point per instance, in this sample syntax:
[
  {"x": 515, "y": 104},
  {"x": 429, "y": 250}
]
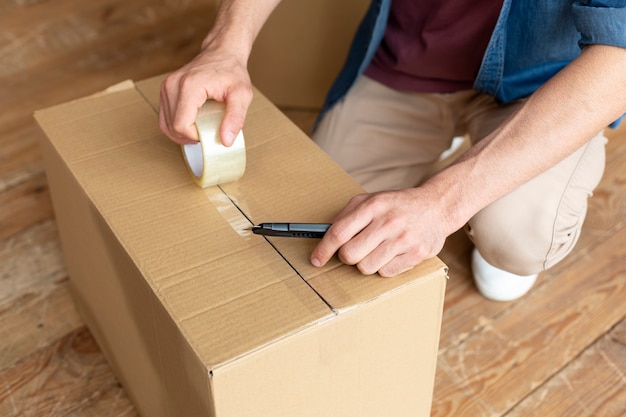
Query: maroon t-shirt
[{"x": 434, "y": 46}]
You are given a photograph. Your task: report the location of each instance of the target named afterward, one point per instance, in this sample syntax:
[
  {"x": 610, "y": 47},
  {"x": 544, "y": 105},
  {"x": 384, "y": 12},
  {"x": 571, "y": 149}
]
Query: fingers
[
  {"x": 206, "y": 78},
  {"x": 398, "y": 265},
  {"x": 346, "y": 226},
  {"x": 393, "y": 257},
  {"x": 237, "y": 103},
  {"x": 180, "y": 102},
  {"x": 373, "y": 250},
  {"x": 380, "y": 233}
]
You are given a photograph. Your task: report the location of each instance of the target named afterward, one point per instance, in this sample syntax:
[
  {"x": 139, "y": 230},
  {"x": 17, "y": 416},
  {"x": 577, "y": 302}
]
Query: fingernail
[
  {"x": 229, "y": 139},
  {"x": 316, "y": 262}
]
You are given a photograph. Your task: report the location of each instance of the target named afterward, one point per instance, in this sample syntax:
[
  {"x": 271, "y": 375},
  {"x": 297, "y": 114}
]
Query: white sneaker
[{"x": 496, "y": 284}]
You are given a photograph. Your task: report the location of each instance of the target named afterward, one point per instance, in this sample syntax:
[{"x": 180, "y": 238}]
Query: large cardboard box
[
  {"x": 301, "y": 49},
  {"x": 197, "y": 316}
]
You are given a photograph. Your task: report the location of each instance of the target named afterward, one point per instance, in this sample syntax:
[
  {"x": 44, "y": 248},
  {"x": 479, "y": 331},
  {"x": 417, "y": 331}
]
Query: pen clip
[{"x": 301, "y": 230}]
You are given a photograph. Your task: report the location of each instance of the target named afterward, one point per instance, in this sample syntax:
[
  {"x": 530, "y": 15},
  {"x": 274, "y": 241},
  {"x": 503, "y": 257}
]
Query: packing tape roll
[{"x": 209, "y": 162}]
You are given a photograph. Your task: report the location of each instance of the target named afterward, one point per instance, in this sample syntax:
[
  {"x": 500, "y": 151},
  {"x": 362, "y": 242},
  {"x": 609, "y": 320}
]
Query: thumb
[{"x": 237, "y": 104}]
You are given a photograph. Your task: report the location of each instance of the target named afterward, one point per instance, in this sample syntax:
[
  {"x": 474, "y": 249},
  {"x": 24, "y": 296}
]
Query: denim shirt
[{"x": 531, "y": 42}]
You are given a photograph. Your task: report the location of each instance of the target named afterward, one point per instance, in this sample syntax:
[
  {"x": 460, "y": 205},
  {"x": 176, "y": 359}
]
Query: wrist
[
  {"x": 450, "y": 200},
  {"x": 218, "y": 43},
  {"x": 237, "y": 25}
]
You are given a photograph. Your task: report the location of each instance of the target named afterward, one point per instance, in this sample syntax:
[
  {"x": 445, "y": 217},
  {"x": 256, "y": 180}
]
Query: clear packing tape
[{"x": 209, "y": 162}]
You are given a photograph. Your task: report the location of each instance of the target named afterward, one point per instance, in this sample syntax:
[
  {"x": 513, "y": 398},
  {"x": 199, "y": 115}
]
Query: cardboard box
[
  {"x": 301, "y": 49},
  {"x": 197, "y": 316}
]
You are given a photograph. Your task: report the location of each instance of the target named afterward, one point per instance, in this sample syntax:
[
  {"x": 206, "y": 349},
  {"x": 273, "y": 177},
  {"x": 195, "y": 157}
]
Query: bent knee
[{"x": 522, "y": 248}]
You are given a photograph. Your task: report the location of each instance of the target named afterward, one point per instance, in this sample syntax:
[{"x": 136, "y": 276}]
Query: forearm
[
  {"x": 237, "y": 24},
  {"x": 555, "y": 121}
]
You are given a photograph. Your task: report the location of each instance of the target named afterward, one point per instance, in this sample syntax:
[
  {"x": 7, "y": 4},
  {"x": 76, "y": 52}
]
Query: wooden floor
[{"x": 559, "y": 351}]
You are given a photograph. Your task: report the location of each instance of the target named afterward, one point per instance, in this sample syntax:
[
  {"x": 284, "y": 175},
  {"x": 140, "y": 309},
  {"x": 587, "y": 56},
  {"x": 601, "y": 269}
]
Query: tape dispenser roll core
[{"x": 208, "y": 161}]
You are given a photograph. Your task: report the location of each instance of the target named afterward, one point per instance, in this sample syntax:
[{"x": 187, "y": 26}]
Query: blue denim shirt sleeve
[{"x": 601, "y": 22}]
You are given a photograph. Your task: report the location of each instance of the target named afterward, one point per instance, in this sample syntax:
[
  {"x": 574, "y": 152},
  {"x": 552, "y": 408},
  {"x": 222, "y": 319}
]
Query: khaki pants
[{"x": 388, "y": 139}]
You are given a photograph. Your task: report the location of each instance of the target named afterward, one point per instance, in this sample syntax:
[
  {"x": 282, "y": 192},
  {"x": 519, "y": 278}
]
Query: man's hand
[
  {"x": 219, "y": 72},
  {"x": 388, "y": 232},
  {"x": 210, "y": 75}
]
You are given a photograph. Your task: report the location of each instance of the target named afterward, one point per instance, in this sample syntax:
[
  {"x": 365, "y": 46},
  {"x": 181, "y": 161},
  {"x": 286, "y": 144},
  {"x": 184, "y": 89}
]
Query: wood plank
[
  {"x": 68, "y": 377},
  {"x": 65, "y": 56},
  {"x": 32, "y": 310},
  {"x": 593, "y": 384},
  {"x": 31, "y": 262},
  {"x": 20, "y": 159},
  {"x": 52, "y": 31},
  {"x": 465, "y": 311},
  {"x": 33, "y": 320},
  {"x": 49, "y": 364},
  {"x": 24, "y": 205},
  {"x": 514, "y": 353}
]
